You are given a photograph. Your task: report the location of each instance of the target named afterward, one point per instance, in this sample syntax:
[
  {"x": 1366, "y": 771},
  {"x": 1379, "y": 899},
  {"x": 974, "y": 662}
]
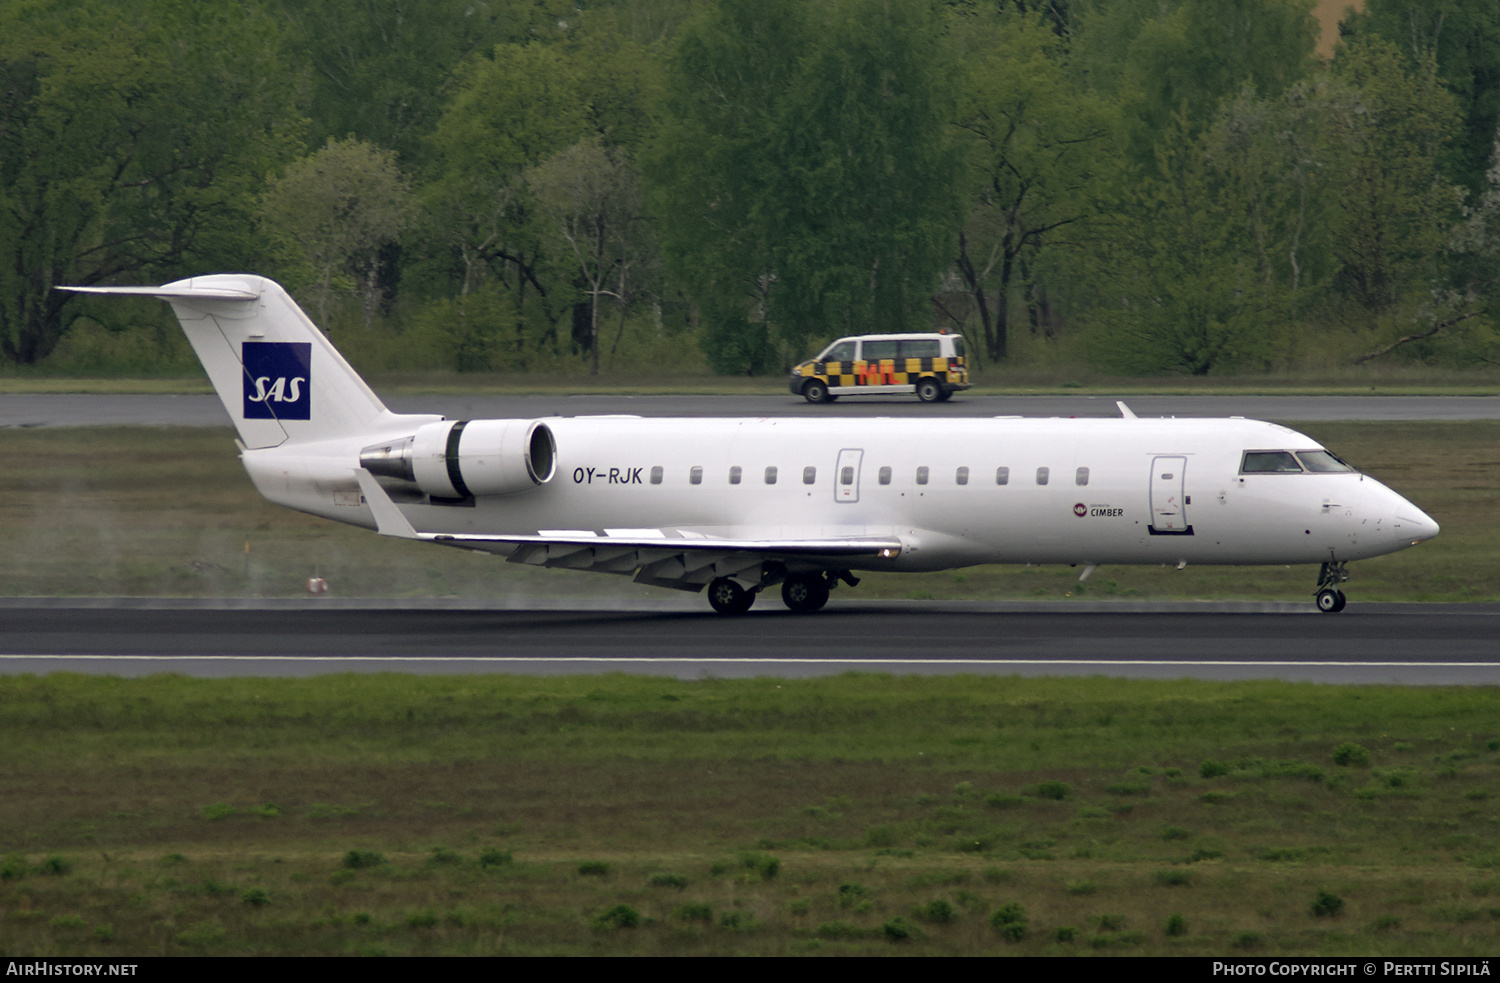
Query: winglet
[
  {"x": 388, "y": 519},
  {"x": 1125, "y": 412}
]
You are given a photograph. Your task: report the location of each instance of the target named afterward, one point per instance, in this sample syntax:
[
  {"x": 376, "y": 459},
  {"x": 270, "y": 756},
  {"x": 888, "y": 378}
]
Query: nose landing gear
[{"x": 1330, "y": 599}]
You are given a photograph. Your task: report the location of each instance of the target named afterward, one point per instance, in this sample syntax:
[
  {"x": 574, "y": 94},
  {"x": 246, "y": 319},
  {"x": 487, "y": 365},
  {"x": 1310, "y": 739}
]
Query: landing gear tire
[
  {"x": 1331, "y": 601},
  {"x": 929, "y": 391},
  {"x": 728, "y": 597},
  {"x": 804, "y": 593},
  {"x": 815, "y": 392}
]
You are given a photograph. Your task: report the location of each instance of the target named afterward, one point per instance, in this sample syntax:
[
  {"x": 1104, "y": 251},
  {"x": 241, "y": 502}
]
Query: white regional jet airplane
[{"x": 739, "y": 506}]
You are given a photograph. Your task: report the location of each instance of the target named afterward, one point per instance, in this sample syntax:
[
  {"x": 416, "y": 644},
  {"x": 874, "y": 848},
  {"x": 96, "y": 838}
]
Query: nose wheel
[{"x": 1330, "y": 599}]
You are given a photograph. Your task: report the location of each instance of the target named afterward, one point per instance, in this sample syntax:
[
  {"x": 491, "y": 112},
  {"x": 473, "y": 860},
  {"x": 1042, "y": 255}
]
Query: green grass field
[
  {"x": 849, "y": 815},
  {"x": 165, "y": 512}
]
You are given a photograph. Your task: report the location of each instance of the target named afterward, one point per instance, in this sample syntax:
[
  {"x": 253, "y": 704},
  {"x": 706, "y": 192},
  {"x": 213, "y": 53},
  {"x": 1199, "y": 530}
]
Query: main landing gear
[
  {"x": 1330, "y": 599},
  {"x": 802, "y": 593}
]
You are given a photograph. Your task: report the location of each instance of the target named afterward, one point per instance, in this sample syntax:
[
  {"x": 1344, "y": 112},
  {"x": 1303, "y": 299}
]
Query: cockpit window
[
  {"x": 1323, "y": 461},
  {"x": 1269, "y": 462}
]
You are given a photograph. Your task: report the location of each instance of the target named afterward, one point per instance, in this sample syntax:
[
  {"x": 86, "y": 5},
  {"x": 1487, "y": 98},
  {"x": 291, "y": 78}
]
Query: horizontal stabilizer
[{"x": 173, "y": 291}]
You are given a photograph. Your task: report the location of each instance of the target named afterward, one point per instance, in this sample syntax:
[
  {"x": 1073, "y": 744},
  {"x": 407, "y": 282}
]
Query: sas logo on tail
[{"x": 278, "y": 380}]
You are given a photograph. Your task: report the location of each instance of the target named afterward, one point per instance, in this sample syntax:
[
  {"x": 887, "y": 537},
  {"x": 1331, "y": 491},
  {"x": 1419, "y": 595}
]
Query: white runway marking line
[{"x": 769, "y": 660}]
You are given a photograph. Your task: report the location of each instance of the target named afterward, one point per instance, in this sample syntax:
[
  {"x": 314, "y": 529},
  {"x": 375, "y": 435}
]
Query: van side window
[
  {"x": 874, "y": 351},
  {"x": 842, "y": 352},
  {"x": 920, "y": 348}
]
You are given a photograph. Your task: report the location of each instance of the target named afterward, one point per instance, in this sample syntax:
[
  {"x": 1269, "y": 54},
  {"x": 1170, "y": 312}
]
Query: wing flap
[{"x": 661, "y": 557}]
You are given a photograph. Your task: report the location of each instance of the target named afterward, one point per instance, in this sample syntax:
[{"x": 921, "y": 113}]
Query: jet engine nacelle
[{"x": 468, "y": 457}]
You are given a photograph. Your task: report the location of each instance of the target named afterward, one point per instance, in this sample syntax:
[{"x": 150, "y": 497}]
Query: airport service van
[{"x": 933, "y": 366}]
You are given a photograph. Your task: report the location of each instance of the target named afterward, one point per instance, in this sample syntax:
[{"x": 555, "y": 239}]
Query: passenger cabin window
[
  {"x": 809, "y": 476},
  {"x": 962, "y": 477},
  {"x": 771, "y": 475},
  {"x": 1002, "y": 476},
  {"x": 885, "y": 476},
  {"x": 920, "y": 348},
  {"x": 734, "y": 475},
  {"x": 842, "y": 352},
  {"x": 1323, "y": 462},
  {"x": 846, "y": 475},
  {"x": 1042, "y": 474},
  {"x": 656, "y": 474},
  {"x": 874, "y": 351},
  {"x": 695, "y": 476},
  {"x": 1270, "y": 462},
  {"x": 922, "y": 475},
  {"x": 1081, "y": 476}
]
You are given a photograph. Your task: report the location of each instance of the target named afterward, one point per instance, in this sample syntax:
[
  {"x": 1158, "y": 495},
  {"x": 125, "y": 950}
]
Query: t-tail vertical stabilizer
[{"x": 280, "y": 379}]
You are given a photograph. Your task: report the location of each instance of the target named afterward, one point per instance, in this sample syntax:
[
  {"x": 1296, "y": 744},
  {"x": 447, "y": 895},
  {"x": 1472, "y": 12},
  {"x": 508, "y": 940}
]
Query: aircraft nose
[{"x": 1412, "y": 525}]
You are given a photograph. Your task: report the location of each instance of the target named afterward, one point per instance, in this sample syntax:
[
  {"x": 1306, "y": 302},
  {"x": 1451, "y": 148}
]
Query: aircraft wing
[{"x": 660, "y": 557}]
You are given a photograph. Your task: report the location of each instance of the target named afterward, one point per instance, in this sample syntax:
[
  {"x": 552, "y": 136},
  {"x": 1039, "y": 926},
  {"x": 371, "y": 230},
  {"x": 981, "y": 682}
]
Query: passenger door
[{"x": 1168, "y": 501}]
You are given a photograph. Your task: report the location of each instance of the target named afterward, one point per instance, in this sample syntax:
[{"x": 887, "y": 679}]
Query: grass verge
[{"x": 858, "y": 814}]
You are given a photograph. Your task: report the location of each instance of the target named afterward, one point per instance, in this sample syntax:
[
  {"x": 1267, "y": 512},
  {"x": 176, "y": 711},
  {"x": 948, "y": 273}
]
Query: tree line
[{"x": 1146, "y": 185}]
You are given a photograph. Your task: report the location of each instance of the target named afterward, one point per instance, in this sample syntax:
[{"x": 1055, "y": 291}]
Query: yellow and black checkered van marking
[{"x": 886, "y": 371}]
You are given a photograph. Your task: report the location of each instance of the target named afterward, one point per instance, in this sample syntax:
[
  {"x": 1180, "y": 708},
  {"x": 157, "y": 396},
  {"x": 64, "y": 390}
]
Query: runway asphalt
[
  {"x": 41, "y": 410},
  {"x": 1408, "y": 644}
]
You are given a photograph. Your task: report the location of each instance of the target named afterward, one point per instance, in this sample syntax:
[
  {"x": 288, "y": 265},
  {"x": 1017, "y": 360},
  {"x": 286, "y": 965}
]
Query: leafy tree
[
  {"x": 133, "y": 140},
  {"x": 1186, "y": 294},
  {"x": 508, "y": 113},
  {"x": 804, "y": 177},
  {"x": 1171, "y": 58},
  {"x": 1037, "y": 146},
  {"x": 1463, "y": 38},
  {"x": 592, "y": 196},
  {"x": 341, "y": 206},
  {"x": 1393, "y": 205},
  {"x": 378, "y": 69},
  {"x": 713, "y": 173}
]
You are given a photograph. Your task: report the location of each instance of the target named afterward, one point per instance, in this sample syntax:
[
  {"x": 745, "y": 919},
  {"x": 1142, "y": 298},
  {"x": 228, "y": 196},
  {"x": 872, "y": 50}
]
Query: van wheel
[
  {"x": 928, "y": 390},
  {"x": 815, "y": 392}
]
